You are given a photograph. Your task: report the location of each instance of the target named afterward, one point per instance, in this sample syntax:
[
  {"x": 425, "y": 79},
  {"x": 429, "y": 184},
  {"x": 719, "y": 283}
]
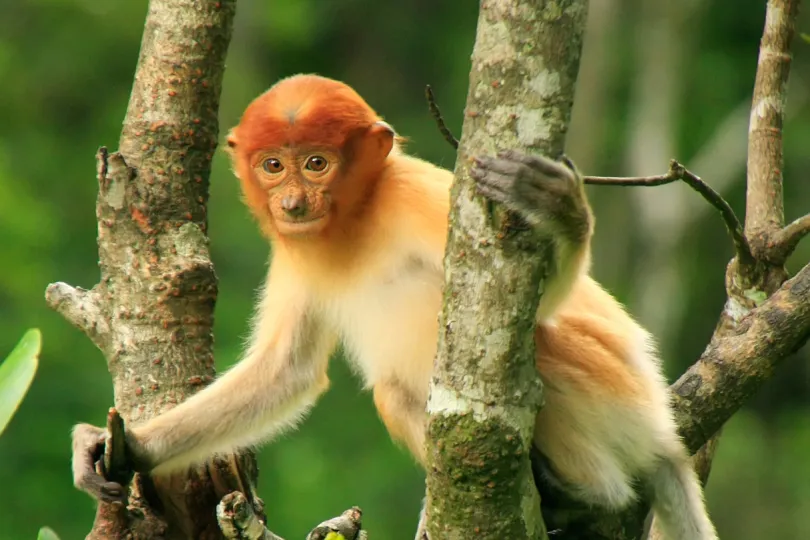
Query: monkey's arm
[
  {"x": 283, "y": 372},
  {"x": 551, "y": 197}
]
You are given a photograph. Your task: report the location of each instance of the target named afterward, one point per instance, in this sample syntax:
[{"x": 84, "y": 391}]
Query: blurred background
[{"x": 659, "y": 80}]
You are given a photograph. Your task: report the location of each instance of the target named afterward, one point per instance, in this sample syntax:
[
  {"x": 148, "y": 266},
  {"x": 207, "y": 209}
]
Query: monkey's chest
[{"x": 389, "y": 328}]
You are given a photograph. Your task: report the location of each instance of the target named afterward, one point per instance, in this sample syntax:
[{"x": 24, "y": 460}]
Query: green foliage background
[{"x": 66, "y": 68}]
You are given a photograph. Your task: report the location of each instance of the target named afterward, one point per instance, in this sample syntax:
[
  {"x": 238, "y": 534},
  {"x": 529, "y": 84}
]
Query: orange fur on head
[{"x": 300, "y": 117}]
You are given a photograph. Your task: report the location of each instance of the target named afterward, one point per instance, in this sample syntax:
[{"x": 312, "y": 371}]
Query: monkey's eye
[
  {"x": 316, "y": 163},
  {"x": 272, "y": 166}
]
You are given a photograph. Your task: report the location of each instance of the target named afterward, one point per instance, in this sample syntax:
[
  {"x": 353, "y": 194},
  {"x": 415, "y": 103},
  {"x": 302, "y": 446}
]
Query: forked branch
[{"x": 784, "y": 241}]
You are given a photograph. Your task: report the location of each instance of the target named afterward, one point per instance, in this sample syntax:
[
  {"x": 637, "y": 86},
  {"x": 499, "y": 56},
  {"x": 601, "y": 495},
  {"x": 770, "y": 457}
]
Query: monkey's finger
[
  {"x": 502, "y": 166},
  {"x": 112, "y": 492},
  {"x": 492, "y": 193},
  {"x": 484, "y": 177},
  {"x": 99, "y": 488},
  {"x": 88, "y": 445},
  {"x": 83, "y": 465},
  {"x": 545, "y": 170},
  {"x": 492, "y": 177},
  {"x": 539, "y": 163}
]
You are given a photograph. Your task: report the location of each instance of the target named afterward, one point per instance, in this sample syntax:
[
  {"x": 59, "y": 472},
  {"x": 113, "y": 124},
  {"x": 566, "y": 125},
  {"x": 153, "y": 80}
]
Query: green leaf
[
  {"x": 16, "y": 374},
  {"x": 46, "y": 533},
  {"x": 805, "y": 37}
]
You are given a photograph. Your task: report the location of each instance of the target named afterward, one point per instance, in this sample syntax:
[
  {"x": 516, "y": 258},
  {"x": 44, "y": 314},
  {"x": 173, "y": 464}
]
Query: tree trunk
[
  {"x": 151, "y": 314},
  {"x": 485, "y": 391}
]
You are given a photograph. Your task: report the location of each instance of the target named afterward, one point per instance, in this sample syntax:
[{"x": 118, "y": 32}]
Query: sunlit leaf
[
  {"x": 16, "y": 374},
  {"x": 46, "y": 533}
]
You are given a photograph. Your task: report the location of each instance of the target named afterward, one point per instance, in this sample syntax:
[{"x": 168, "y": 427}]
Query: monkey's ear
[
  {"x": 383, "y": 135},
  {"x": 230, "y": 144},
  {"x": 367, "y": 147}
]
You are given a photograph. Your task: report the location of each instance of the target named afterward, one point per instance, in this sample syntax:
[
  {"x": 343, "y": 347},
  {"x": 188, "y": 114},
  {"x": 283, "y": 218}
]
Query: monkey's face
[
  {"x": 308, "y": 152},
  {"x": 295, "y": 185}
]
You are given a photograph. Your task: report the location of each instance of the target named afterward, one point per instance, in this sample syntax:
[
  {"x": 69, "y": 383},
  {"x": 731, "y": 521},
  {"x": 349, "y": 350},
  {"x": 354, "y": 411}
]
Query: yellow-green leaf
[
  {"x": 16, "y": 374},
  {"x": 46, "y": 533}
]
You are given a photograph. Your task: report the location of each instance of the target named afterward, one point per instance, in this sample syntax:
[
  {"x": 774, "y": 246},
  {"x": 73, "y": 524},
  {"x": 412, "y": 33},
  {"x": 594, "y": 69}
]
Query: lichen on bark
[{"x": 485, "y": 392}]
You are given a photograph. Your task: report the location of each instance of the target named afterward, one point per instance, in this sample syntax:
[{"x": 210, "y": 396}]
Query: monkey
[{"x": 358, "y": 229}]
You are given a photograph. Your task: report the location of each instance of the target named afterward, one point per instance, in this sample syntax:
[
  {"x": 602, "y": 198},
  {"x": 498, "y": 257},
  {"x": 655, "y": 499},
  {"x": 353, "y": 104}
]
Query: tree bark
[
  {"x": 151, "y": 314},
  {"x": 485, "y": 392}
]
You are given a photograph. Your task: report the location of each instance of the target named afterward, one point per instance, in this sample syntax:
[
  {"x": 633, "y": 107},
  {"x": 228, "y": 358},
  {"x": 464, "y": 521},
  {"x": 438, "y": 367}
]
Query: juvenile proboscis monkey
[{"x": 358, "y": 231}]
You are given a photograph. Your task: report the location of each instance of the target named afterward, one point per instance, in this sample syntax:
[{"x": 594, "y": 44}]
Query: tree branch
[
  {"x": 116, "y": 465},
  {"x": 81, "y": 308},
  {"x": 678, "y": 172},
  {"x": 736, "y": 363},
  {"x": 764, "y": 205},
  {"x": 753, "y": 333},
  {"x": 238, "y": 521},
  {"x": 347, "y": 525},
  {"x": 783, "y": 243}
]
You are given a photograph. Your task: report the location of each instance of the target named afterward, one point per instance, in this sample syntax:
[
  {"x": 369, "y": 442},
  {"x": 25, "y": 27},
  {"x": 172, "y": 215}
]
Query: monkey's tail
[{"x": 678, "y": 502}]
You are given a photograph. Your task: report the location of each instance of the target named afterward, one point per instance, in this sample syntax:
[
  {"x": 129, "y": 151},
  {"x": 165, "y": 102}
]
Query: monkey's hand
[
  {"x": 548, "y": 194},
  {"x": 88, "y": 449}
]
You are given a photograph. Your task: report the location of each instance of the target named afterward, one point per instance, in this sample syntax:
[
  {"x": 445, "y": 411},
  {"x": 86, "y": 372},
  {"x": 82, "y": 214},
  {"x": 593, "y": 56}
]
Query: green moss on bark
[{"x": 476, "y": 467}]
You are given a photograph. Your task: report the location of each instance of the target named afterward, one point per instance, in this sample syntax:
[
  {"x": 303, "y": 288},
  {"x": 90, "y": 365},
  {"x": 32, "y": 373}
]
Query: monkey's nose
[{"x": 294, "y": 205}]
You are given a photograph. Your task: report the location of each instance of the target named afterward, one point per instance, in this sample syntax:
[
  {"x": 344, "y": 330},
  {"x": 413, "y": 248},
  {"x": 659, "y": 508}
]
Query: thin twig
[
  {"x": 437, "y": 115},
  {"x": 678, "y": 172},
  {"x": 784, "y": 242},
  {"x": 647, "y": 181}
]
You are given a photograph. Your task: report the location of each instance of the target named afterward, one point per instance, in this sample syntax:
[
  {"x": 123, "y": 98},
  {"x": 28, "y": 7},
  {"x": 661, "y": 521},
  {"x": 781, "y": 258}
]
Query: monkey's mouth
[{"x": 301, "y": 227}]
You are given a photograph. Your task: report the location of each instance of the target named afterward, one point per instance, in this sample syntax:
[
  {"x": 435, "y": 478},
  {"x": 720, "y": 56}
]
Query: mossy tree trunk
[{"x": 485, "y": 391}]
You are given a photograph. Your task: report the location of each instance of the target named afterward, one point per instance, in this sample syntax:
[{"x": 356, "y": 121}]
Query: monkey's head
[{"x": 307, "y": 152}]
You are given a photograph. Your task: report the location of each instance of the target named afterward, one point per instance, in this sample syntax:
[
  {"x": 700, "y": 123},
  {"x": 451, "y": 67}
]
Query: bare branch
[
  {"x": 737, "y": 362},
  {"x": 764, "y": 202},
  {"x": 81, "y": 308},
  {"x": 237, "y": 520},
  {"x": 678, "y": 172},
  {"x": 437, "y": 115},
  {"x": 115, "y": 460},
  {"x": 784, "y": 242},
  {"x": 348, "y": 524}
]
